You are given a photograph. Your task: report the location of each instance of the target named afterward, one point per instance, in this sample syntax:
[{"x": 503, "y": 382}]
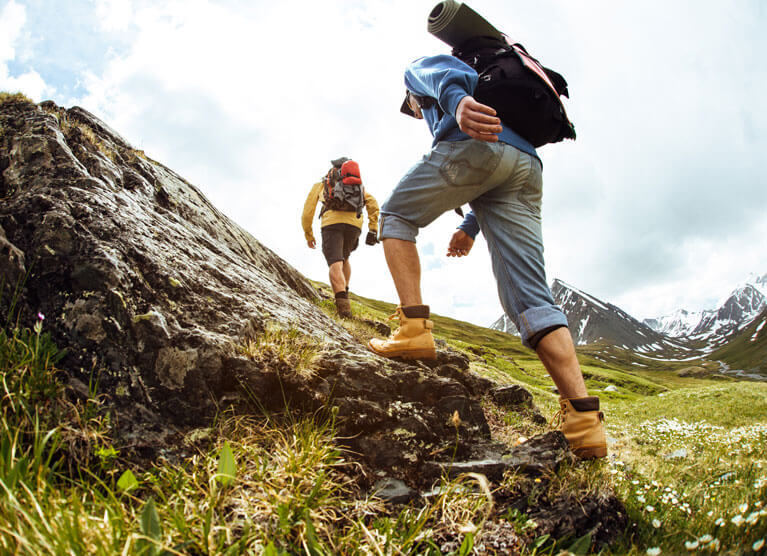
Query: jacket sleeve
[
  {"x": 470, "y": 226},
  {"x": 372, "y": 207},
  {"x": 309, "y": 207},
  {"x": 443, "y": 77}
]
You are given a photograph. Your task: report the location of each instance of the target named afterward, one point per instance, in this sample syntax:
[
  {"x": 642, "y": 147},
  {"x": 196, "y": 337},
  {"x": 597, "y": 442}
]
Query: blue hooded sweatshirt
[{"x": 448, "y": 79}]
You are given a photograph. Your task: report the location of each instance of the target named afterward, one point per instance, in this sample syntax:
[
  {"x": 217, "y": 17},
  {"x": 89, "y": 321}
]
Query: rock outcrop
[{"x": 155, "y": 292}]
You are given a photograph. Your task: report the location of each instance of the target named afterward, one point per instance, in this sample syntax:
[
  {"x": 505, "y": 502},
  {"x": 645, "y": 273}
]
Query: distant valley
[{"x": 730, "y": 339}]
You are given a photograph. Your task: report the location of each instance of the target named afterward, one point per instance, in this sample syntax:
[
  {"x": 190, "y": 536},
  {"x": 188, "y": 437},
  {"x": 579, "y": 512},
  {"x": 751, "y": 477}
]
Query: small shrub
[
  {"x": 6, "y": 97},
  {"x": 276, "y": 345}
]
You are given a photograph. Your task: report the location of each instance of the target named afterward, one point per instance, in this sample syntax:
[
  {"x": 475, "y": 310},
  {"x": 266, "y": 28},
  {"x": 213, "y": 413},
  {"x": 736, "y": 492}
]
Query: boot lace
[
  {"x": 397, "y": 314},
  {"x": 558, "y": 419}
]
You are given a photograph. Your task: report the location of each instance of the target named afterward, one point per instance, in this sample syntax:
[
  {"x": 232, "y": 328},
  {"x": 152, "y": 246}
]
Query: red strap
[{"x": 532, "y": 64}]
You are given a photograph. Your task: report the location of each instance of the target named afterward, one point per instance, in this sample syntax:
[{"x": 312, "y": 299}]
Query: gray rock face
[
  {"x": 511, "y": 396},
  {"x": 155, "y": 291}
]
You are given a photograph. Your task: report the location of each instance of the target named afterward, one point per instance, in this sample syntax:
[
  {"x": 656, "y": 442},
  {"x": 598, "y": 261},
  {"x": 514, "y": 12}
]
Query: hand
[
  {"x": 372, "y": 238},
  {"x": 477, "y": 120},
  {"x": 311, "y": 243},
  {"x": 460, "y": 244}
]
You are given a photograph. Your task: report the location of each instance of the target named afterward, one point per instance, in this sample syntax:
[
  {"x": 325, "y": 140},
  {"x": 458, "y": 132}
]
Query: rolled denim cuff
[
  {"x": 536, "y": 319},
  {"x": 394, "y": 227}
]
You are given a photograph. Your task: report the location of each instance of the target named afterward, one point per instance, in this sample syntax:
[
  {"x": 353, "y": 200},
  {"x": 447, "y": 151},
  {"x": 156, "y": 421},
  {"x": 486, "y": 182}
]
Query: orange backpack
[{"x": 342, "y": 188}]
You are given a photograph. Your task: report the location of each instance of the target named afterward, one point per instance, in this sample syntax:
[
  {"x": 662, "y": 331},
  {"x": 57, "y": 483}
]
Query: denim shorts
[{"x": 503, "y": 186}]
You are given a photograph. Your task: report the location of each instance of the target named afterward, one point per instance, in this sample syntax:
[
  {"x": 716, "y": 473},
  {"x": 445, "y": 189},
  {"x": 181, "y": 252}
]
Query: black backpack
[
  {"x": 342, "y": 188},
  {"x": 525, "y": 95}
]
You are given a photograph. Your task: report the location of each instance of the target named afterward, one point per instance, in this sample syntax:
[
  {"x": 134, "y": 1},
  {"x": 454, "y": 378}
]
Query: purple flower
[{"x": 40, "y": 316}]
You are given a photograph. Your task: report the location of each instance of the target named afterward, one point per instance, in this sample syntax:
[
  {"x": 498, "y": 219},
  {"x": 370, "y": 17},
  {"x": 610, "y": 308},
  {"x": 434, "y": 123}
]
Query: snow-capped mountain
[
  {"x": 678, "y": 323},
  {"x": 734, "y": 312},
  {"x": 680, "y": 336},
  {"x": 593, "y": 320},
  {"x": 505, "y": 324}
]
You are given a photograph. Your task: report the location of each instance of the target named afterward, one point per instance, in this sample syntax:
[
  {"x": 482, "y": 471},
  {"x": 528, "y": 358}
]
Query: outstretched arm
[
  {"x": 460, "y": 244},
  {"x": 463, "y": 240},
  {"x": 308, "y": 214}
]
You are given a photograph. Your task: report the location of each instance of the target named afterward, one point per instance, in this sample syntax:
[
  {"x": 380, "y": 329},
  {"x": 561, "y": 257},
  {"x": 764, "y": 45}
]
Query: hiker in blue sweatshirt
[{"x": 478, "y": 160}]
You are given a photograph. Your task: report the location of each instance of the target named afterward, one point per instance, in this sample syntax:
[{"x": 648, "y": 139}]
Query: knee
[{"x": 336, "y": 267}]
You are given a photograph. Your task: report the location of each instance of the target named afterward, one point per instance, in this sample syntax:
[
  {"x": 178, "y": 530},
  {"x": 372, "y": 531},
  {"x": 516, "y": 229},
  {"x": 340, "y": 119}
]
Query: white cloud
[
  {"x": 12, "y": 20},
  {"x": 114, "y": 15}
]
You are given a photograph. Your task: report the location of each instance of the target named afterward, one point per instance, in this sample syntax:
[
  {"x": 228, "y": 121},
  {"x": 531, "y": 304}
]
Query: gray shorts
[
  {"x": 503, "y": 186},
  {"x": 338, "y": 241}
]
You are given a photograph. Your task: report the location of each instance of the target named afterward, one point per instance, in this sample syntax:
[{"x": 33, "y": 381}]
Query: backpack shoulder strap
[{"x": 327, "y": 182}]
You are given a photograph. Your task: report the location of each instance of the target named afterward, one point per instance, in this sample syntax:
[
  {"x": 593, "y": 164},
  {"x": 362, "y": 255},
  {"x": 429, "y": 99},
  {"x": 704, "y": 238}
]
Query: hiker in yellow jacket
[{"x": 341, "y": 218}]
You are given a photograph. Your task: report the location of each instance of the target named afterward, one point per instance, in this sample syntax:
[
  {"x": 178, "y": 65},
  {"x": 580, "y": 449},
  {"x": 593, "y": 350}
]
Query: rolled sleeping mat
[{"x": 454, "y": 23}]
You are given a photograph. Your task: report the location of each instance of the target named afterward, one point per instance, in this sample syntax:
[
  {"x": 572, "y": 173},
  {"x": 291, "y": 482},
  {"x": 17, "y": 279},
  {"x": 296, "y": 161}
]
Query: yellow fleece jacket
[{"x": 336, "y": 216}]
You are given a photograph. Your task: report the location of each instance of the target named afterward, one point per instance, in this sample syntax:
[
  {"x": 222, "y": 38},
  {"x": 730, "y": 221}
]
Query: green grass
[
  {"x": 749, "y": 350},
  {"x": 288, "y": 347},
  {"x": 689, "y": 463}
]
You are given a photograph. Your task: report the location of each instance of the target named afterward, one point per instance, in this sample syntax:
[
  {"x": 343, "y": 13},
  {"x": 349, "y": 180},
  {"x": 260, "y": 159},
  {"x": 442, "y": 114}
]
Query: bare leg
[
  {"x": 557, "y": 353},
  {"x": 347, "y": 272},
  {"x": 405, "y": 269},
  {"x": 337, "y": 280}
]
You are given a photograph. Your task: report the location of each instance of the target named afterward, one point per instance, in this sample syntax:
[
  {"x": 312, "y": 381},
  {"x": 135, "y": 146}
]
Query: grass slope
[
  {"x": 748, "y": 351},
  {"x": 688, "y": 460},
  {"x": 688, "y": 453}
]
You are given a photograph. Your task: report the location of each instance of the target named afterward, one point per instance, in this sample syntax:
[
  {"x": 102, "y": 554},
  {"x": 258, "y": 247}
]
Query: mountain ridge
[{"x": 680, "y": 336}]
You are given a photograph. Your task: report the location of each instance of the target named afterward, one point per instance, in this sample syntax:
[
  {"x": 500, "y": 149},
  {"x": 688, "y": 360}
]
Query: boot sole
[
  {"x": 591, "y": 452},
  {"x": 406, "y": 354}
]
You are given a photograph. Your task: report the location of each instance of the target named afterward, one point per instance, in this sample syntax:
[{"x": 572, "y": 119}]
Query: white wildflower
[
  {"x": 656, "y": 523},
  {"x": 468, "y": 528},
  {"x": 752, "y": 518},
  {"x": 649, "y": 508},
  {"x": 719, "y": 522},
  {"x": 641, "y": 499},
  {"x": 706, "y": 539},
  {"x": 758, "y": 545},
  {"x": 691, "y": 545},
  {"x": 737, "y": 520},
  {"x": 714, "y": 545},
  {"x": 743, "y": 508},
  {"x": 653, "y": 551}
]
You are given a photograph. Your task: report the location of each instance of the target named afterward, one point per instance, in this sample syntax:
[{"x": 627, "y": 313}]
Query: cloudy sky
[{"x": 660, "y": 204}]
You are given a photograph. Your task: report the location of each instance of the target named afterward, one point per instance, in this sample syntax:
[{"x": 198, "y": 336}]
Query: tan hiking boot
[
  {"x": 344, "y": 307},
  {"x": 412, "y": 340},
  {"x": 581, "y": 423}
]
